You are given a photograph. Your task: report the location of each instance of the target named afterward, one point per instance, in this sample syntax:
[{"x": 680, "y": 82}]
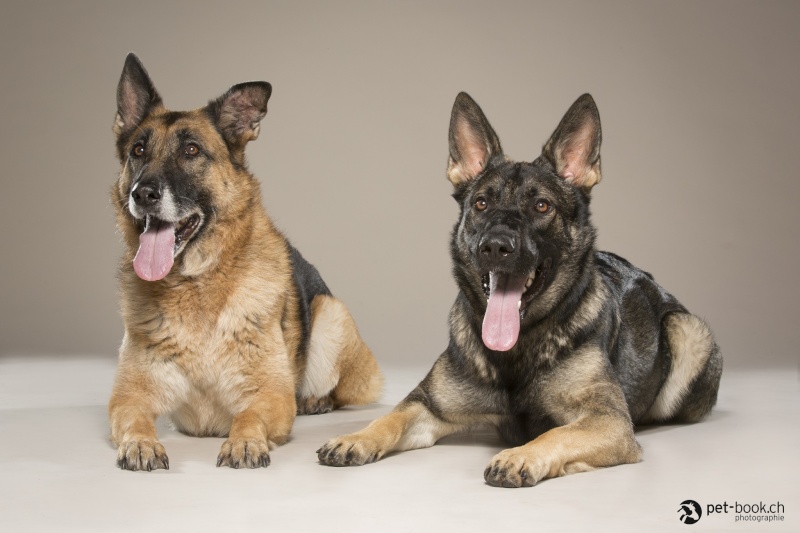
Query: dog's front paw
[
  {"x": 350, "y": 450},
  {"x": 142, "y": 455},
  {"x": 244, "y": 453},
  {"x": 514, "y": 468}
]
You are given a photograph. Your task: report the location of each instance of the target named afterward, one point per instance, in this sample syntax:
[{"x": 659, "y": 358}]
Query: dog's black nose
[
  {"x": 146, "y": 194},
  {"x": 498, "y": 247}
]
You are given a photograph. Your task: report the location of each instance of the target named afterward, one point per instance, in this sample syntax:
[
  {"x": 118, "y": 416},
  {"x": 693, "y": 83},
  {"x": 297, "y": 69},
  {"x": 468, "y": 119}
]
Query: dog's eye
[
  {"x": 542, "y": 206},
  {"x": 138, "y": 150},
  {"x": 191, "y": 150},
  {"x": 480, "y": 204}
]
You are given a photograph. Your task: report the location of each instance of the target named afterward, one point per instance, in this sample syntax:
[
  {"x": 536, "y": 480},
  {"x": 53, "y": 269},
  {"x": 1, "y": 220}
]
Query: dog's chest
[
  {"x": 204, "y": 344},
  {"x": 519, "y": 390}
]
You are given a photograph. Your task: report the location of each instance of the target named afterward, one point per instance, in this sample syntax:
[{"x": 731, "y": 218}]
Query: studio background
[
  {"x": 700, "y": 114},
  {"x": 699, "y": 110}
]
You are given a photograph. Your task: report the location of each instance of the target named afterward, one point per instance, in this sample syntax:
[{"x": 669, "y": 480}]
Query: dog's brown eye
[
  {"x": 191, "y": 150},
  {"x": 480, "y": 204},
  {"x": 542, "y": 206},
  {"x": 138, "y": 150}
]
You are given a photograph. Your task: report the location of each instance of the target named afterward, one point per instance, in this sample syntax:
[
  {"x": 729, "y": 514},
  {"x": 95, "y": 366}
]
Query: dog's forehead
[
  {"x": 511, "y": 179},
  {"x": 182, "y": 125}
]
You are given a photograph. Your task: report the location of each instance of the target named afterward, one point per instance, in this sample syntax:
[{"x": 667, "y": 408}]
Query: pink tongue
[
  {"x": 501, "y": 321},
  {"x": 156, "y": 244}
]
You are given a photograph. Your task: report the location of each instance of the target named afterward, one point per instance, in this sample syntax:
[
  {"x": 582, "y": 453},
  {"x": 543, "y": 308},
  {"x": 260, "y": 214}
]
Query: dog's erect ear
[
  {"x": 238, "y": 112},
  {"x": 473, "y": 142},
  {"x": 136, "y": 96},
  {"x": 574, "y": 148}
]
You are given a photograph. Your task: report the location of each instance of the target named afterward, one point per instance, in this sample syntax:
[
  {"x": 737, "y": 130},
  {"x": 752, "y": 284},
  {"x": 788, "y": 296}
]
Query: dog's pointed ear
[
  {"x": 473, "y": 142},
  {"x": 238, "y": 113},
  {"x": 136, "y": 96},
  {"x": 574, "y": 148}
]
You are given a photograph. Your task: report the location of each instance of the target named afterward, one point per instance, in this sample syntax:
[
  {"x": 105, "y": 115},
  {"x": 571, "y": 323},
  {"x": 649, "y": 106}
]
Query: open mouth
[
  {"x": 185, "y": 229},
  {"x": 533, "y": 284},
  {"x": 162, "y": 241},
  {"x": 508, "y": 296}
]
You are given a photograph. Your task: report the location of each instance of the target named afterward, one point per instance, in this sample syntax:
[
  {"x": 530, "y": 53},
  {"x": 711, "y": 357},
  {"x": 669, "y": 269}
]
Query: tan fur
[
  {"x": 407, "y": 427},
  {"x": 690, "y": 342},
  {"x": 214, "y": 344},
  {"x": 339, "y": 363}
]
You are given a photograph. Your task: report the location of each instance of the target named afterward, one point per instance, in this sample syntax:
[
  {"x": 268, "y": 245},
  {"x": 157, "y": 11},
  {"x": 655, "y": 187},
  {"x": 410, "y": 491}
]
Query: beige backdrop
[{"x": 699, "y": 103}]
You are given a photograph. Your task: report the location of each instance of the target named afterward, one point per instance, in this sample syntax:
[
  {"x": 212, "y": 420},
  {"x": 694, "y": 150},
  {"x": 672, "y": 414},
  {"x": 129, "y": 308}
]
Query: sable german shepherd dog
[
  {"x": 560, "y": 347},
  {"x": 228, "y": 330}
]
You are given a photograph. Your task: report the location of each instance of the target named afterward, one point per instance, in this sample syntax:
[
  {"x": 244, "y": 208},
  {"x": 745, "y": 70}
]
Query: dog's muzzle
[{"x": 167, "y": 227}]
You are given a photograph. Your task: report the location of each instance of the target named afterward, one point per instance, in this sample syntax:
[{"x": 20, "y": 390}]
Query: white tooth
[
  {"x": 529, "y": 282},
  {"x": 519, "y": 304}
]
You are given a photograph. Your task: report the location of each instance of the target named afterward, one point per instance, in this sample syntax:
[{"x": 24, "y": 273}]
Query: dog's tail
[{"x": 690, "y": 390}]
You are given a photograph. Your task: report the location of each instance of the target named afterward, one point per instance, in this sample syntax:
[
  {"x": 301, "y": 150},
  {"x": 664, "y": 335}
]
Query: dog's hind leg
[
  {"x": 340, "y": 369},
  {"x": 690, "y": 390}
]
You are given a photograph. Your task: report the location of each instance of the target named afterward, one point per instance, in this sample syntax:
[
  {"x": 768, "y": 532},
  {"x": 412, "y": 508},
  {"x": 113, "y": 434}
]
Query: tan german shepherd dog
[{"x": 228, "y": 330}]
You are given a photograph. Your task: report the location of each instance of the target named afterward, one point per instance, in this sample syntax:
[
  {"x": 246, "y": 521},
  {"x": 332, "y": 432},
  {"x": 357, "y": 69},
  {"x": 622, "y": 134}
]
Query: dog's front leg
[
  {"x": 264, "y": 424},
  {"x": 269, "y": 405},
  {"x": 589, "y": 443},
  {"x": 410, "y": 425},
  {"x": 594, "y": 426},
  {"x": 132, "y": 411}
]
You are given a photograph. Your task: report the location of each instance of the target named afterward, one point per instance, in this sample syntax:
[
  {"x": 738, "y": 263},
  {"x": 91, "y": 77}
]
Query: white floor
[{"x": 58, "y": 473}]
